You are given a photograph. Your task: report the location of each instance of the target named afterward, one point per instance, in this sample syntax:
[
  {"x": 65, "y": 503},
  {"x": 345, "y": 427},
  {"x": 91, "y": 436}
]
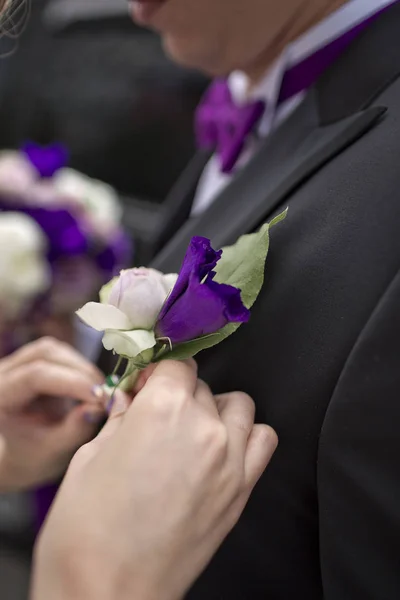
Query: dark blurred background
[
  {"x": 83, "y": 74},
  {"x": 103, "y": 87}
]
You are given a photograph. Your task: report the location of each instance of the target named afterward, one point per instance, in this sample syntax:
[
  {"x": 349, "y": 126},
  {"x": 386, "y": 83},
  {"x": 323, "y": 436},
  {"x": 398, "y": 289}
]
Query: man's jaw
[{"x": 143, "y": 11}]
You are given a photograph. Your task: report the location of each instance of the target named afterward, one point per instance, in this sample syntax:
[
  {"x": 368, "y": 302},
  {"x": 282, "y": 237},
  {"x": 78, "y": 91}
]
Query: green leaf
[
  {"x": 243, "y": 266},
  {"x": 190, "y": 349}
]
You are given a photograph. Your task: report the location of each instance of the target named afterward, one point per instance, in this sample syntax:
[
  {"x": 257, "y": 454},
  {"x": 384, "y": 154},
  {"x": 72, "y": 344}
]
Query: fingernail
[
  {"x": 98, "y": 391},
  {"x": 93, "y": 418},
  {"x": 110, "y": 404}
]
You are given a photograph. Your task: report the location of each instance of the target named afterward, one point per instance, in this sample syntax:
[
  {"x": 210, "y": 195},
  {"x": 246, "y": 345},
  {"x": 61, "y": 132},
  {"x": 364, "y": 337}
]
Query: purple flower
[
  {"x": 65, "y": 235},
  {"x": 198, "y": 305},
  {"x": 47, "y": 160},
  {"x": 116, "y": 254}
]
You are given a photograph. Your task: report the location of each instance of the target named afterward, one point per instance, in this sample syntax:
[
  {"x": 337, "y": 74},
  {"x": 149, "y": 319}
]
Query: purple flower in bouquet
[
  {"x": 47, "y": 160},
  {"x": 116, "y": 254},
  {"x": 63, "y": 231},
  {"x": 198, "y": 305},
  {"x": 65, "y": 234}
]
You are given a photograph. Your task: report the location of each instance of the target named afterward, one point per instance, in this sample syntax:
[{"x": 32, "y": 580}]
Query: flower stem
[
  {"x": 126, "y": 382},
  {"x": 118, "y": 365},
  {"x": 130, "y": 377}
]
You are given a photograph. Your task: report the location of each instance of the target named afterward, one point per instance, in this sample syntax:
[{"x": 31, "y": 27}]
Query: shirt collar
[{"x": 268, "y": 89}]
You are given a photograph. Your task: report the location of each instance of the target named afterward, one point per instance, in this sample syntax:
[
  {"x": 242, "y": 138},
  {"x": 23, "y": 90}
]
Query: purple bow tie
[{"x": 223, "y": 125}]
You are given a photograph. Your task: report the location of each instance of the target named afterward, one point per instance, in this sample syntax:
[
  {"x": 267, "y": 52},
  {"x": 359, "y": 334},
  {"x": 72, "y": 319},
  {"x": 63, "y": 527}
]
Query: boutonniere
[{"x": 147, "y": 316}]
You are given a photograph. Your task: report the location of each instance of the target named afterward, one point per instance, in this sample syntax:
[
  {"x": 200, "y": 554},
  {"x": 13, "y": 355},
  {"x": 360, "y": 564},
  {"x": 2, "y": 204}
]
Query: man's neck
[{"x": 301, "y": 21}]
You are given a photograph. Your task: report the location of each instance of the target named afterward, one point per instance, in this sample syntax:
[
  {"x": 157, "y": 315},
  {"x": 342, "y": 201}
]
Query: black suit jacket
[{"x": 321, "y": 354}]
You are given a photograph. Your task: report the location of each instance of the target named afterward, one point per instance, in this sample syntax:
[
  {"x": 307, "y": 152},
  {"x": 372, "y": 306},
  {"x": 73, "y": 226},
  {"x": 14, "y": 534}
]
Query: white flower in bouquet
[
  {"x": 20, "y": 183},
  {"x": 17, "y": 174},
  {"x": 98, "y": 200},
  {"x": 24, "y": 270}
]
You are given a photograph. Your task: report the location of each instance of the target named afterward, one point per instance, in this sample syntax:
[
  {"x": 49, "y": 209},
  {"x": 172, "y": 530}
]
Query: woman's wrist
[{"x": 76, "y": 575}]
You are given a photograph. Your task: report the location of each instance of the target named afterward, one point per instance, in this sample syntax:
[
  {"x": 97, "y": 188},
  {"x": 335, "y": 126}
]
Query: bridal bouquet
[
  {"x": 24, "y": 273},
  {"x": 64, "y": 227},
  {"x": 147, "y": 316}
]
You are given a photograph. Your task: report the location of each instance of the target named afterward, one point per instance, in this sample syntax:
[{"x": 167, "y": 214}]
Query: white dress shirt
[{"x": 213, "y": 181}]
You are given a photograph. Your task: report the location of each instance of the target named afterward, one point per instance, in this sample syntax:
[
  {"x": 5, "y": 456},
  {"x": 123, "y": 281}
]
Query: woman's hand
[
  {"x": 144, "y": 506},
  {"x": 48, "y": 408}
]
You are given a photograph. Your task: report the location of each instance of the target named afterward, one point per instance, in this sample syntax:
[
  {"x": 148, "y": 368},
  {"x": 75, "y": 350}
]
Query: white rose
[
  {"x": 99, "y": 200},
  {"x": 130, "y": 305},
  {"x": 24, "y": 270},
  {"x": 42, "y": 193},
  {"x": 19, "y": 181},
  {"x": 17, "y": 174}
]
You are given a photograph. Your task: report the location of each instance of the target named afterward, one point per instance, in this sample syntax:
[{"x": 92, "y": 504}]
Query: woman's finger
[
  {"x": 204, "y": 396},
  {"x": 120, "y": 406},
  {"x": 145, "y": 375},
  {"x": 172, "y": 376},
  {"x": 237, "y": 412},
  {"x": 143, "y": 378},
  {"x": 52, "y": 351},
  {"x": 261, "y": 446},
  {"x": 39, "y": 378},
  {"x": 72, "y": 432}
]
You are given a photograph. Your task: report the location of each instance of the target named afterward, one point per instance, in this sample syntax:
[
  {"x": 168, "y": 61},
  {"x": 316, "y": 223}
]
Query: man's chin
[{"x": 185, "y": 53}]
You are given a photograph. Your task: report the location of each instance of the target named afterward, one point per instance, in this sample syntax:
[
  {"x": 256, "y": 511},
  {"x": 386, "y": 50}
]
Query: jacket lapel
[
  {"x": 178, "y": 204},
  {"x": 287, "y": 158}
]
